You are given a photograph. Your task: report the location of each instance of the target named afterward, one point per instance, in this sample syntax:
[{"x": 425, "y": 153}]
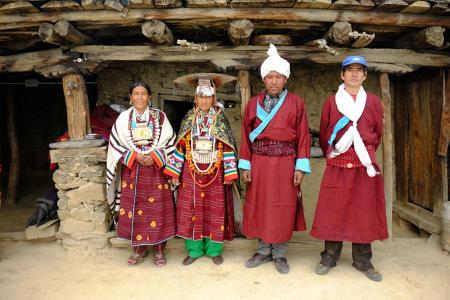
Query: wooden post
[
  {"x": 244, "y": 87},
  {"x": 14, "y": 165},
  {"x": 388, "y": 146},
  {"x": 77, "y": 106}
]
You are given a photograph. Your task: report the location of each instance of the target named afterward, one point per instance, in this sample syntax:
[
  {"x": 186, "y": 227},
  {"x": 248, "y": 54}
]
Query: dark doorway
[{"x": 175, "y": 111}]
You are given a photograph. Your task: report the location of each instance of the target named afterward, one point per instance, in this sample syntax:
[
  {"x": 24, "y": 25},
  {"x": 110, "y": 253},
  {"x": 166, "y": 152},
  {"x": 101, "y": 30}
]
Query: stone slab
[
  {"x": 78, "y": 144},
  {"x": 34, "y": 233}
]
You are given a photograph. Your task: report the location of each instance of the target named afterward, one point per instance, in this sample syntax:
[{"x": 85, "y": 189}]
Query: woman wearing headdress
[
  {"x": 140, "y": 141},
  {"x": 204, "y": 168}
]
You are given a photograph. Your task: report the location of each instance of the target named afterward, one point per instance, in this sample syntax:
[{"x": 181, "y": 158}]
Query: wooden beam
[
  {"x": 240, "y": 32},
  {"x": 388, "y": 149},
  {"x": 77, "y": 106},
  {"x": 48, "y": 34},
  {"x": 267, "y": 39},
  {"x": 26, "y": 62},
  {"x": 428, "y": 38},
  {"x": 57, "y": 71},
  {"x": 211, "y": 16},
  {"x": 444, "y": 136},
  {"x": 339, "y": 33},
  {"x": 61, "y": 5},
  {"x": 14, "y": 164},
  {"x": 65, "y": 30},
  {"x": 18, "y": 7},
  {"x": 157, "y": 32},
  {"x": 244, "y": 88},
  {"x": 207, "y": 3}
]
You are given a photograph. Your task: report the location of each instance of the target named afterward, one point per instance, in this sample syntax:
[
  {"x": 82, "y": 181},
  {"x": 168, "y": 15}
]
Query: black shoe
[
  {"x": 188, "y": 260},
  {"x": 218, "y": 260},
  {"x": 281, "y": 265},
  {"x": 322, "y": 269},
  {"x": 257, "y": 259},
  {"x": 373, "y": 275}
]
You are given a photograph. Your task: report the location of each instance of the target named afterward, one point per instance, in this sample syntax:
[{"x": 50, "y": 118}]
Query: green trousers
[{"x": 201, "y": 247}]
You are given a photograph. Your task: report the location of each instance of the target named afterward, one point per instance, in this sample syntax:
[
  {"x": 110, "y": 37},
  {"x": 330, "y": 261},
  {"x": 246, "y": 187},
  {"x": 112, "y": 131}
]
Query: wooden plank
[
  {"x": 344, "y": 4},
  {"x": 26, "y": 62},
  {"x": 214, "y": 15},
  {"x": 388, "y": 147},
  {"x": 244, "y": 88},
  {"x": 61, "y": 5},
  {"x": 92, "y": 4},
  {"x": 76, "y": 105},
  {"x": 392, "y": 6},
  {"x": 18, "y": 7},
  {"x": 207, "y": 3},
  {"x": 315, "y": 4},
  {"x": 248, "y": 3},
  {"x": 444, "y": 136},
  {"x": 14, "y": 164},
  {"x": 280, "y": 3},
  {"x": 417, "y": 7},
  {"x": 168, "y": 3},
  {"x": 418, "y": 216}
]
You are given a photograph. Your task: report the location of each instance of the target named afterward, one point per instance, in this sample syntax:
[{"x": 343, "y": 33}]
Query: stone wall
[{"x": 82, "y": 206}]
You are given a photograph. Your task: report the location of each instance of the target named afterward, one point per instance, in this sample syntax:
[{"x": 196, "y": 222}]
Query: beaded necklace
[{"x": 152, "y": 123}]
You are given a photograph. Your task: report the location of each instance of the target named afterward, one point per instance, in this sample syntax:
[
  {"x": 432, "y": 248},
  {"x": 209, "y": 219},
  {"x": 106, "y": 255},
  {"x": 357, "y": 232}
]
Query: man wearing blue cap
[{"x": 351, "y": 205}]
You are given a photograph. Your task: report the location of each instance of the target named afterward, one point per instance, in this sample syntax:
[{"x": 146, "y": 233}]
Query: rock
[
  {"x": 71, "y": 225},
  {"x": 33, "y": 232},
  {"x": 77, "y": 182},
  {"x": 90, "y": 193},
  {"x": 77, "y": 144},
  {"x": 62, "y": 204},
  {"x": 119, "y": 242},
  {"x": 91, "y": 174},
  {"x": 62, "y": 177}
]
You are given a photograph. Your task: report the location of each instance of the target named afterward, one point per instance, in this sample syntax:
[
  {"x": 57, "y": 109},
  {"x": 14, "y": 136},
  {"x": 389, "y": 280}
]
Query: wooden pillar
[
  {"x": 244, "y": 87},
  {"x": 388, "y": 148},
  {"x": 14, "y": 165},
  {"x": 77, "y": 106}
]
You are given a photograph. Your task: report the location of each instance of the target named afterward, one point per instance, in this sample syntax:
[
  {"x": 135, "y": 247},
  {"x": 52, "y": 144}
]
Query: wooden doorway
[{"x": 419, "y": 169}]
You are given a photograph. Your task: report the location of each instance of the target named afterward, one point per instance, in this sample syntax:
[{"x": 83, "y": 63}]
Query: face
[
  {"x": 353, "y": 76},
  {"x": 140, "y": 98},
  {"x": 275, "y": 83},
  {"x": 204, "y": 102}
]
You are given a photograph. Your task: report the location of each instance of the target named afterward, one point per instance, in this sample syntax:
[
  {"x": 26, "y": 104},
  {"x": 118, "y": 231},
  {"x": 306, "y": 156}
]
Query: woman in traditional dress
[
  {"x": 140, "y": 141},
  {"x": 204, "y": 167}
]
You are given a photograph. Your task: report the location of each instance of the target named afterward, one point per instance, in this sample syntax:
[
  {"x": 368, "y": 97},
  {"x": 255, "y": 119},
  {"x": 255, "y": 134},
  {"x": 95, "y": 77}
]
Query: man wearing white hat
[
  {"x": 274, "y": 157},
  {"x": 351, "y": 204}
]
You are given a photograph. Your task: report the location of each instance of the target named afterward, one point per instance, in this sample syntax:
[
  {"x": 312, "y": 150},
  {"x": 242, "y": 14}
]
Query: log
[
  {"x": 48, "y": 34},
  {"x": 114, "y": 4},
  {"x": 244, "y": 88},
  {"x": 207, "y": 3},
  {"x": 392, "y": 6},
  {"x": 213, "y": 16},
  {"x": 61, "y": 5},
  {"x": 280, "y": 3},
  {"x": 14, "y": 165},
  {"x": 361, "y": 39},
  {"x": 168, "y": 3},
  {"x": 365, "y": 5},
  {"x": 344, "y": 4},
  {"x": 240, "y": 32},
  {"x": 77, "y": 106},
  {"x": 428, "y": 38},
  {"x": 26, "y": 62},
  {"x": 317, "y": 4},
  {"x": 437, "y": 9},
  {"x": 71, "y": 34},
  {"x": 388, "y": 150},
  {"x": 92, "y": 4},
  {"x": 141, "y": 4},
  {"x": 267, "y": 39},
  {"x": 248, "y": 3},
  {"x": 157, "y": 32},
  {"x": 339, "y": 33},
  {"x": 417, "y": 7},
  {"x": 444, "y": 136},
  {"x": 18, "y": 7}
]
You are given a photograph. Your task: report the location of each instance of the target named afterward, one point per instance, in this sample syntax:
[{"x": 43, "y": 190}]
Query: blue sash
[
  {"x": 339, "y": 125},
  {"x": 265, "y": 117}
]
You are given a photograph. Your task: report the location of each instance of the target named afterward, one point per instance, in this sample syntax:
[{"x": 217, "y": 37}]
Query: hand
[
  {"x": 145, "y": 160},
  {"x": 227, "y": 182},
  {"x": 246, "y": 176},
  {"x": 175, "y": 181},
  {"x": 298, "y": 178}
]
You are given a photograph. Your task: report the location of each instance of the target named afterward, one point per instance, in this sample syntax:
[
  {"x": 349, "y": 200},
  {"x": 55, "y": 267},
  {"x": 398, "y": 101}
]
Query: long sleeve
[
  {"x": 303, "y": 141},
  {"x": 324, "y": 124},
  {"x": 245, "y": 152},
  {"x": 175, "y": 161},
  {"x": 229, "y": 164}
]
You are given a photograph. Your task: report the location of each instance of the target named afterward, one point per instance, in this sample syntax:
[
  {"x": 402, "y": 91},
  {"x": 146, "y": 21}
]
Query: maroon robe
[
  {"x": 351, "y": 205},
  {"x": 273, "y": 209}
]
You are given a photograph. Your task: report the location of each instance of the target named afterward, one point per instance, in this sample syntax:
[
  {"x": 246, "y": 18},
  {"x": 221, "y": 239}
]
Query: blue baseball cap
[{"x": 354, "y": 59}]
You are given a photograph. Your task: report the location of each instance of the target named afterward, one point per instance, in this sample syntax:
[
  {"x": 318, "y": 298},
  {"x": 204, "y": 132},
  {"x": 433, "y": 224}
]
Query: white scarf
[{"x": 353, "y": 110}]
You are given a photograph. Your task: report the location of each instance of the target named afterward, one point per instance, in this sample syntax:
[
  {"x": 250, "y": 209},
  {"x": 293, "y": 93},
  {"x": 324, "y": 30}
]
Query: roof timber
[
  {"x": 207, "y": 17},
  {"x": 388, "y": 60}
]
